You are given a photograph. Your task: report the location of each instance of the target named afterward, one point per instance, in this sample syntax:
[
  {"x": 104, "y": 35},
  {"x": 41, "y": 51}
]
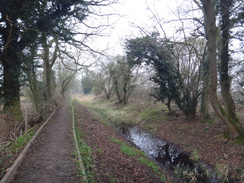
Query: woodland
[{"x": 197, "y": 74}]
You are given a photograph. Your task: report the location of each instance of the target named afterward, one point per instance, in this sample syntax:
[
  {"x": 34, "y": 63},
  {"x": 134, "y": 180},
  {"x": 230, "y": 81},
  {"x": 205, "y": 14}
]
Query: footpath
[{"x": 50, "y": 158}]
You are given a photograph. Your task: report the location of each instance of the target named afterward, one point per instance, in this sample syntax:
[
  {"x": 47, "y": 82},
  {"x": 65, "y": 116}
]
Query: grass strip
[
  {"x": 83, "y": 153},
  {"x": 140, "y": 157}
]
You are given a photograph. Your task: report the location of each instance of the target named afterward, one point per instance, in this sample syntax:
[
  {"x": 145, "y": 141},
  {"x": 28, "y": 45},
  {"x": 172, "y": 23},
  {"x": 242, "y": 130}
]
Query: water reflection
[{"x": 169, "y": 155}]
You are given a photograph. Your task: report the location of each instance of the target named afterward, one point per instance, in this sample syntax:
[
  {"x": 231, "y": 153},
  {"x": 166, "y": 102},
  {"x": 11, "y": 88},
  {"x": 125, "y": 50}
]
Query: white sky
[{"x": 134, "y": 13}]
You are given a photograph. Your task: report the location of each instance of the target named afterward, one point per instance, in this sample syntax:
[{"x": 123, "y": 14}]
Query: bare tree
[
  {"x": 103, "y": 80},
  {"x": 125, "y": 76}
]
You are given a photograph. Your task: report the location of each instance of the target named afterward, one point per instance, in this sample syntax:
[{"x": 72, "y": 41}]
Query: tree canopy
[{"x": 25, "y": 26}]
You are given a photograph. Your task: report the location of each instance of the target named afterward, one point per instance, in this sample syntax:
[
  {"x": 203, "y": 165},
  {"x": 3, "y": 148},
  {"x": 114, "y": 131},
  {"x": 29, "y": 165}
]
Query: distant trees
[
  {"x": 124, "y": 76},
  {"x": 87, "y": 84},
  {"x": 103, "y": 79},
  {"x": 118, "y": 77}
]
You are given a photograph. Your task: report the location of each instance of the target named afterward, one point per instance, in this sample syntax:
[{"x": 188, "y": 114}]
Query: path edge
[
  {"x": 81, "y": 164},
  {"x": 10, "y": 174}
]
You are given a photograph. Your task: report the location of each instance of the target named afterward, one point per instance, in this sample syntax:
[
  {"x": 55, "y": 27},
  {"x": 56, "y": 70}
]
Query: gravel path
[{"x": 50, "y": 158}]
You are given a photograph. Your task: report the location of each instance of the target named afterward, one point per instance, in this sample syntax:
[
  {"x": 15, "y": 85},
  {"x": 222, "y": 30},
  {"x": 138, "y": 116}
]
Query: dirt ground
[
  {"x": 205, "y": 141},
  {"x": 111, "y": 165},
  {"x": 50, "y": 158}
]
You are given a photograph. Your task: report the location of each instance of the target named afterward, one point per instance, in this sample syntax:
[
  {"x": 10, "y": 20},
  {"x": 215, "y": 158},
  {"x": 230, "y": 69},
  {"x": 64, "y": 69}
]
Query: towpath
[{"x": 50, "y": 158}]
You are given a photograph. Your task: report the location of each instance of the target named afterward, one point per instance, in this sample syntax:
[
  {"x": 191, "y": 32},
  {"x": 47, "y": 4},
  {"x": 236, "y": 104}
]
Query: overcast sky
[{"x": 134, "y": 13}]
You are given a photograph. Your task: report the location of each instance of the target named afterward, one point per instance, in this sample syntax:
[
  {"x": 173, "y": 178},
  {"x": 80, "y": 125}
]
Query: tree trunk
[
  {"x": 11, "y": 72},
  {"x": 47, "y": 76},
  {"x": 225, "y": 80},
  {"x": 116, "y": 87},
  {"x": 171, "y": 113},
  {"x": 107, "y": 93},
  {"x": 48, "y": 79},
  {"x": 205, "y": 102},
  {"x": 125, "y": 92},
  {"x": 209, "y": 13},
  {"x": 65, "y": 83},
  {"x": 34, "y": 88}
]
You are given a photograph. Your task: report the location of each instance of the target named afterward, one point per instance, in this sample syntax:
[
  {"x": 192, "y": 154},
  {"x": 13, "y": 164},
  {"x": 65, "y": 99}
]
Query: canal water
[{"x": 170, "y": 156}]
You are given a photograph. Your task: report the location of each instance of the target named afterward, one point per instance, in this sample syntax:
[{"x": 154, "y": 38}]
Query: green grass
[
  {"x": 153, "y": 114},
  {"x": 195, "y": 155},
  {"x": 85, "y": 152},
  {"x": 128, "y": 150},
  {"x": 13, "y": 148},
  {"x": 150, "y": 117},
  {"x": 86, "y": 155},
  {"x": 140, "y": 157},
  {"x": 2, "y": 168},
  {"x": 22, "y": 141}
]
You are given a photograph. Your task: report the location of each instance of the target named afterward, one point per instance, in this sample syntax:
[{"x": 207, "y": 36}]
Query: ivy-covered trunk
[
  {"x": 11, "y": 71},
  {"x": 11, "y": 84},
  {"x": 33, "y": 84},
  {"x": 211, "y": 32},
  {"x": 225, "y": 80},
  {"x": 48, "y": 80},
  {"x": 48, "y": 64},
  {"x": 205, "y": 100},
  {"x": 116, "y": 87}
]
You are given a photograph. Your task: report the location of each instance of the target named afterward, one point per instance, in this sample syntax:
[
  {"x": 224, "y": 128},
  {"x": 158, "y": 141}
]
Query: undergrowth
[
  {"x": 7, "y": 157},
  {"x": 23, "y": 140}
]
